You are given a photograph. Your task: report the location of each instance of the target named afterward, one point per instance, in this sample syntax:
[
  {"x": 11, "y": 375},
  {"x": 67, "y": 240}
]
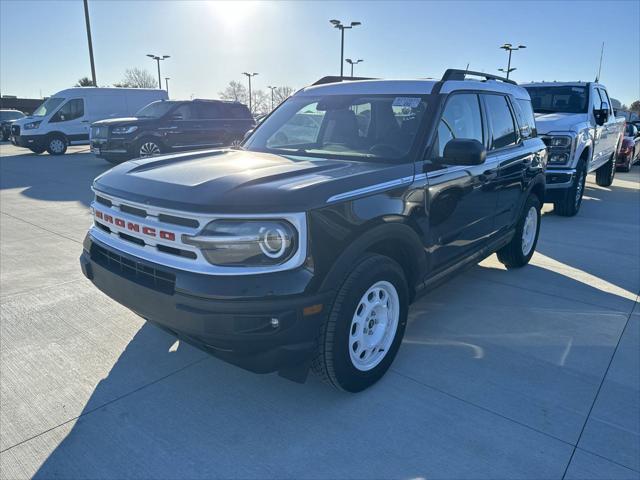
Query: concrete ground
[{"x": 533, "y": 373}]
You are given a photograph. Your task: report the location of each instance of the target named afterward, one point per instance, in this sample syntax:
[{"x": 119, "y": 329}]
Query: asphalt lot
[{"x": 533, "y": 373}]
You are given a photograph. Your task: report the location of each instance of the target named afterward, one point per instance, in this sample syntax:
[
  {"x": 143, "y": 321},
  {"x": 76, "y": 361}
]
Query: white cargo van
[{"x": 64, "y": 118}]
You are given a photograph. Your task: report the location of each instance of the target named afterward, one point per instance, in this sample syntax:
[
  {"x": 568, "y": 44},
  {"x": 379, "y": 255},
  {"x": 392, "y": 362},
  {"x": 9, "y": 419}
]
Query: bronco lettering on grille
[{"x": 136, "y": 227}]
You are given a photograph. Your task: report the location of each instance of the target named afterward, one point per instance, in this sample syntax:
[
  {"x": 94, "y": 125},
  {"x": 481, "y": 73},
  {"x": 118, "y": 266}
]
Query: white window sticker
[{"x": 410, "y": 102}]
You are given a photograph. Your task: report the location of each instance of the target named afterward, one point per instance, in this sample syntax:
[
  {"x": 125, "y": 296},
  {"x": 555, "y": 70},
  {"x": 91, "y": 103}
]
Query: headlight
[
  {"x": 559, "y": 147},
  {"x": 32, "y": 125},
  {"x": 246, "y": 243},
  {"x": 124, "y": 130},
  {"x": 560, "y": 141}
]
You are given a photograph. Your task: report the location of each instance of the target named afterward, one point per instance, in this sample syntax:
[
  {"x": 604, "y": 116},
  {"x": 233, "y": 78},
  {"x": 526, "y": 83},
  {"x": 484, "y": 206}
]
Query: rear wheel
[
  {"x": 365, "y": 327},
  {"x": 606, "y": 173},
  {"x": 57, "y": 144},
  {"x": 519, "y": 251},
  {"x": 570, "y": 203}
]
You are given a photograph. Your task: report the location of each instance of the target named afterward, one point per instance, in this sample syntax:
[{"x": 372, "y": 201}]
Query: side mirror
[
  {"x": 464, "y": 151},
  {"x": 247, "y": 134}
]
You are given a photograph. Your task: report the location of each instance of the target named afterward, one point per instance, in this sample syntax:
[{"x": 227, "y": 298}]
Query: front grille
[
  {"x": 15, "y": 130},
  {"x": 184, "y": 222},
  {"x": 103, "y": 201},
  {"x": 138, "y": 212},
  {"x": 136, "y": 272},
  {"x": 100, "y": 132}
]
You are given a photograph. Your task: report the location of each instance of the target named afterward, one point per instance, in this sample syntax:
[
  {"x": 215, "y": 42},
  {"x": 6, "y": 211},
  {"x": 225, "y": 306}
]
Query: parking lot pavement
[{"x": 532, "y": 373}]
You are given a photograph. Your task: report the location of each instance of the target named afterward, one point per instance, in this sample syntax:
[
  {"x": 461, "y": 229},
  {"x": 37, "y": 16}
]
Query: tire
[
  {"x": 519, "y": 250},
  {"x": 148, "y": 147},
  {"x": 37, "y": 151},
  {"x": 57, "y": 144},
  {"x": 606, "y": 173},
  {"x": 570, "y": 203},
  {"x": 341, "y": 360}
]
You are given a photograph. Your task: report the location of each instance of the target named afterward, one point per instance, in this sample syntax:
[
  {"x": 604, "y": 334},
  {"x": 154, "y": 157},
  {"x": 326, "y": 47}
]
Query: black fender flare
[
  {"x": 537, "y": 186},
  {"x": 404, "y": 241}
]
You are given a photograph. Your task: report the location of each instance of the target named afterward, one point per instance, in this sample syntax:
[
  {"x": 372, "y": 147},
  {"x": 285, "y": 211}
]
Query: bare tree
[
  {"x": 260, "y": 103},
  {"x": 635, "y": 106},
  {"x": 84, "y": 82},
  {"x": 280, "y": 94},
  {"x": 137, "y": 78},
  {"x": 235, "y": 91}
]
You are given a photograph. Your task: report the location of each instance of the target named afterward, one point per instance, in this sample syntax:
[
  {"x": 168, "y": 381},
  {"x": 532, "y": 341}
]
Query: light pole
[
  {"x": 510, "y": 48},
  {"x": 166, "y": 84},
  {"x": 249, "y": 75},
  {"x": 272, "y": 89},
  {"x": 352, "y": 63},
  {"x": 337, "y": 24},
  {"x": 93, "y": 65},
  {"x": 157, "y": 59}
]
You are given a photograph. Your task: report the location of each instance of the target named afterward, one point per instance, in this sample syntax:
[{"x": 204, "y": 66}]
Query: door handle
[{"x": 85, "y": 121}]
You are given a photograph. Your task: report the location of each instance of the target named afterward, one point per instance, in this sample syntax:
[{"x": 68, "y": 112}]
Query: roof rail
[
  {"x": 455, "y": 74},
  {"x": 337, "y": 78}
]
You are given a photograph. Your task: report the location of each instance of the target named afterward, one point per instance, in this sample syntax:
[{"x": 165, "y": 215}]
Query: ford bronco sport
[{"x": 304, "y": 247}]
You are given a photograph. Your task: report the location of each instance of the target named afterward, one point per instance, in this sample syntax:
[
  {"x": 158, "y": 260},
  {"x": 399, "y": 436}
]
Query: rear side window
[
  {"x": 460, "y": 119},
  {"x": 236, "y": 111},
  {"x": 526, "y": 119},
  {"x": 69, "y": 111},
  {"x": 209, "y": 111},
  {"x": 503, "y": 130}
]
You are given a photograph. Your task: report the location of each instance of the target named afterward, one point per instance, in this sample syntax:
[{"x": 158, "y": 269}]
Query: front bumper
[
  {"x": 112, "y": 148},
  {"x": 29, "y": 141},
  {"x": 196, "y": 308},
  {"x": 560, "y": 178}
]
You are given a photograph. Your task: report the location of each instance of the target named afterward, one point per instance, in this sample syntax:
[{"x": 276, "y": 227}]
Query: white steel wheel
[
  {"x": 374, "y": 325},
  {"x": 529, "y": 230},
  {"x": 149, "y": 149}
]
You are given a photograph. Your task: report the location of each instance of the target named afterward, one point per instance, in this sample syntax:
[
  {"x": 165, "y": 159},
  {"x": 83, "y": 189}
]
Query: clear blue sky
[{"x": 43, "y": 45}]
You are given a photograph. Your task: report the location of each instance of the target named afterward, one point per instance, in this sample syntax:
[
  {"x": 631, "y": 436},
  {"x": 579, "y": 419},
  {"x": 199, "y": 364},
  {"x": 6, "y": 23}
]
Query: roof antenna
[
  {"x": 467, "y": 69},
  {"x": 600, "y": 67}
]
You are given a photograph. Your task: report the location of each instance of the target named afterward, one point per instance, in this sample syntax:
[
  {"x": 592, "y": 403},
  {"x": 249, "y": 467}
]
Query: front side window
[
  {"x": 358, "y": 127},
  {"x": 503, "y": 131},
  {"x": 155, "y": 109},
  {"x": 596, "y": 99},
  {"x": 185, "y": 112},
  {"x": 69, "y": 111},
  {"x": 526, "y": 118},
  {"x": 48, "y": 106},
  {"x": 561, "y": 98},
  {"x": 605, "y": 97},
  {"x": 460, "y": 119}
]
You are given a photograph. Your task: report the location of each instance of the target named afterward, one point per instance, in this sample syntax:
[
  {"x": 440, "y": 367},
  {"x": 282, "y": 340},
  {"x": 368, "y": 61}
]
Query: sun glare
[{"x": 232, "y": 14}]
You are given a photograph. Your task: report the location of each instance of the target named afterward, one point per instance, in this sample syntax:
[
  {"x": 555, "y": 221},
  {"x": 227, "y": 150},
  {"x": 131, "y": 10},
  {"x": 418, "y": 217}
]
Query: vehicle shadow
[
  {"x": 64, "y": 178},
  {"x": 213, "y": 420}
]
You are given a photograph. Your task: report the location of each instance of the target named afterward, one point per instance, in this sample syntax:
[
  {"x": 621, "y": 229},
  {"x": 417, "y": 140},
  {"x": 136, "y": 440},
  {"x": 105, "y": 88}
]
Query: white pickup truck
[{"x": 577, "y": 123}]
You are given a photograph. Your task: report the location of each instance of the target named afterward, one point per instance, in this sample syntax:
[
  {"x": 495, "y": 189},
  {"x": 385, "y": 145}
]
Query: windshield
[
  {"x": 353, "y": 127},
  {"x": 566, "y": 99},
  {"x": 10, "y": 115},
  {"x": 156, "y": 109},
  {"x": 50, "y": 105}
]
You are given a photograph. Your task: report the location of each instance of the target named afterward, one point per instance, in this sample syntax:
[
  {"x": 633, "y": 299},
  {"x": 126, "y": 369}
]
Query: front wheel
[
  {"x": 57, "y": 145},
  {"x": 605, "y": 174},
  {"x": 570, "y": 203},
  {"x": 519, "y": 250},
  {"x": 148, "y": 148},
  {"x": 365, "y": 327}
]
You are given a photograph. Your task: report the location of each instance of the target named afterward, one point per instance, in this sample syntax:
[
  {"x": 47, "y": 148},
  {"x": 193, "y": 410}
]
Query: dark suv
[
  {"x": 168, "y": 125},
  {"x": 305, "y": 248}
]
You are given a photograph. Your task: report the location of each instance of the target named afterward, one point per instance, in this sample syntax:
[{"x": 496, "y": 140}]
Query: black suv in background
[
  {"x": 305, "y": 246},
  {"x": 169, "y": 125}
]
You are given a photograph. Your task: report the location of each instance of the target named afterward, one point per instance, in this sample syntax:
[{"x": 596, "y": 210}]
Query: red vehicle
[{"x": 630, "y": 148}]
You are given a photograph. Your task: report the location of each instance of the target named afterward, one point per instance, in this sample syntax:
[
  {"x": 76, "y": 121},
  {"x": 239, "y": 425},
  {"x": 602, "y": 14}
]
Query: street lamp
[
  {"x": 510, "y": 48},
  {"x": 337, "y": 24},
  {"x": 166, "y": 83},
  {"x": 249, "y": 75},
  {"x": 272, "y": 89},
  {"x": 352, "y": 63},
  {"x": 157, "y": 59}
]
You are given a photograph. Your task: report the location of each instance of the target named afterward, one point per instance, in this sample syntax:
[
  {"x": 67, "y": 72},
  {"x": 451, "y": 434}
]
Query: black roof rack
[
  {"x": 454, "y": 74},
  {"x": 337, "y": 78}
]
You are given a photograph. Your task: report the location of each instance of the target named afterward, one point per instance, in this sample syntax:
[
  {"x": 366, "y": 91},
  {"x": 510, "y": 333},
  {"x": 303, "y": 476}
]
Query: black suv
[
  {"x": 305, "y": 246},
  {"x": 167, "y": 125}
]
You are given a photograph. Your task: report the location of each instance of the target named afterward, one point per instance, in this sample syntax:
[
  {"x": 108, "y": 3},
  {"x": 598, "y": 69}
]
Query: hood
[
  {"x": 559, "y": 122},
  {"x": 123, "y": 121},
  {"x": 237, "y": 181}
]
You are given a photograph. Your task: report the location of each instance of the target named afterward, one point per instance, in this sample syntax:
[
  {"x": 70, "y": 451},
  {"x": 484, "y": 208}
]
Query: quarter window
[
  {"x": 69, "y": 111},
  {"x": 503, "y": 131},
  {"x": 461, "y": 119},
  {"x": 526, "y": 118}
]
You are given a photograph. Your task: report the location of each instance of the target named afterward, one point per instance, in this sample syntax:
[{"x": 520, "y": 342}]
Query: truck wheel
[
  {"x": 519, "y": 250},
  {"x": 570, "y": 204},
  {"x": 605, "y": 174},
  {"x": 57, "y": 144},
  {"x": 148, "y": 147},
  {"x": 365, "y": 327}
]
